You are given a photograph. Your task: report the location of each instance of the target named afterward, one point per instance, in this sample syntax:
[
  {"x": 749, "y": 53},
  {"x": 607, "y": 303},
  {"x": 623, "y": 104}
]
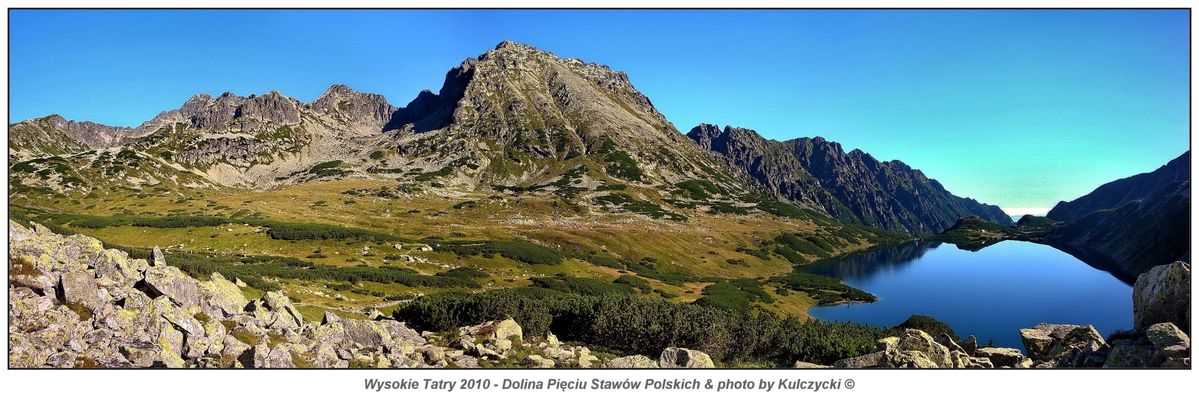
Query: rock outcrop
[{"x": 1163, "y": 294}]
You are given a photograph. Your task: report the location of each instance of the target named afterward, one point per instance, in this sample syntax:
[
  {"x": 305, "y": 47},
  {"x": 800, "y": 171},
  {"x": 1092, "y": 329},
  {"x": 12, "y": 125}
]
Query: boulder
[
  {"x": 809, "y": 365},
  {"x": 631, "y": 362},
  {"x": 79, "y": 288},
  {"x": 912, "y": 359},
  {"x": 174, "y": 284},
  {"x": 945, "y": 340},
  {"x": 275, "y": 301},
  {"x": 24, "y": 272},
  {"x": 1163, "y": 294},
  {"x": 222, "y": 298},
  {"x": 537, "y": 361},
  {"x": 329, "y": 318},
  {"x": 676, "y": 357},
  {"x": 919, "y": 341},
  {"x": 170, "y": 347},
  {"x": 400, "y": 331},
  {"x": 865, "y": 361},
  {"x": 586, "y": 360},
  {"x": 970, "y": 345},
  {"x": 1128, "y": 353},
  {"x": 1000, "y": 356},
  {"x": 1052, "y": 345},
  {"x": 434, "y": 354},
  {"x": 1167, "y": 334},
  {"x": 157, "y": 258},
  {"x": 366, "y": 333},
  {"x": 116, "y": 266},
  {"x": 1172, "y": 347},
  {"x": 506, "y": 329}
]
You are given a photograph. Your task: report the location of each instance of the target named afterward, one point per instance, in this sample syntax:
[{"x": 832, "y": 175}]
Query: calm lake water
[{"x": 990, "y": 294}]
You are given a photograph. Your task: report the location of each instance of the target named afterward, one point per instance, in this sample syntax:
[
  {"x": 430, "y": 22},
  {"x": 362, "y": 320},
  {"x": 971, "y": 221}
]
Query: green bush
[
  {"x": 634, "y": 282},
  {"x": 803, "y": 245},
  {"x": 516, "y": 250},
  {"x": 309, "y": 231},
  {"x": 579, "y": 285},
  {"x": 739, "y": 294},
  {"x": 699, "y": 189},
  {"x": 826, "y": 290},
  {"x": 928, "y": 324},
  {"x": 790, "y": 255}
]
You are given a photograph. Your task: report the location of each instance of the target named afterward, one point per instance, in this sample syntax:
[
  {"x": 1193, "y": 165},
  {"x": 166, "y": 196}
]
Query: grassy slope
[{"x": 704, "y": 246}]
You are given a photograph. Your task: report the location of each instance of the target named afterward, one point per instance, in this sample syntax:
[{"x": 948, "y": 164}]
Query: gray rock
[
  {"x": 676, "y": 357},
  {"x": 919, "y": 341},
  {"x": 945, "y": 340},
  {"x": 865, "y": 361},
  {"x": 221, "y": 297},
  {"x": 631, "y": 362},
  {"x": 157, "y": 258},
  {"x": 1000, "y": 356},
  {"x": 970, "y": 345},
  {"x": 79, "y": 288},
  {"x": 174, "y": 284},
  {"x": 1064, "y": 345},
  {"x": 1167, "y": 334},
  {"x": 809, "y": 365},
  {"x": 329, "y": 317},
  {"x": 537, "y": 361},
  {"x": 1126, "y": 353},
  {"x": 1163, "y": 294},
  {"x": 505, "y": 329}
]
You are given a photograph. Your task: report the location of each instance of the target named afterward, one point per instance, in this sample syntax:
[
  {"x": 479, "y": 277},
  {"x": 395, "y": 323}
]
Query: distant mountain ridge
[
  {"x": 852, "y": 186},
  {"x": 1131, "y": 224}
]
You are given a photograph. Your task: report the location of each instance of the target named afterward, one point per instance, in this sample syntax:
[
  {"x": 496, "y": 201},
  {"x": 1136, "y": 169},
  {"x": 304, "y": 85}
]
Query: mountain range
[
  {"x": 1131, "y": 224},
  {"x": 514, "y": 120}
]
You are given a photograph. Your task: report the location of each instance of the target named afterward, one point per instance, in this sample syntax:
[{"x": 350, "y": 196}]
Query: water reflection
[
  {"x": 871, "y": 262},
  {"x": 991, "y": 293}
]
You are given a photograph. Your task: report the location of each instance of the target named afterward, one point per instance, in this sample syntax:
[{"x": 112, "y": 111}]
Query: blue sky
[{"x": 1015, "y": 108}]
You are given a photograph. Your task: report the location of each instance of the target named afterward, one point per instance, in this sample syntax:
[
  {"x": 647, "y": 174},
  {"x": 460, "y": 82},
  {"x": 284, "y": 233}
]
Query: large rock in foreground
[
  {"x": 1053, "y": 345},
  {"x": 675, "y": 357},
  {"x": 1163, "y": 294}
]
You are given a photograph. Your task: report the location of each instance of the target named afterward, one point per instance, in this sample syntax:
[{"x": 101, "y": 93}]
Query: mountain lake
[{"x": 990, "y": 294}]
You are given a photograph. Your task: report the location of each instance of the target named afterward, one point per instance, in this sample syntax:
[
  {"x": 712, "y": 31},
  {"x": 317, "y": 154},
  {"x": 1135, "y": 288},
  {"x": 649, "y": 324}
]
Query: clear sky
[{"x": 1015, "y": 108}]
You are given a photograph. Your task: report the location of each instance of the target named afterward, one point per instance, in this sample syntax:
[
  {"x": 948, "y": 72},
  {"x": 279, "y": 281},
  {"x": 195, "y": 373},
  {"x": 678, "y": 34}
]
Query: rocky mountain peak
[
  {"x": 368, "y": 110},
  {"x": 205, "y": 112},
  {"x": 91, "y": 134}
]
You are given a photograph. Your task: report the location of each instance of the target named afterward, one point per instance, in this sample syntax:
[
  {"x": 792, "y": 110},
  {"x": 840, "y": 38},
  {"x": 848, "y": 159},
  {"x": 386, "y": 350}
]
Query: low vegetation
[{"x": 645, "y": 325}]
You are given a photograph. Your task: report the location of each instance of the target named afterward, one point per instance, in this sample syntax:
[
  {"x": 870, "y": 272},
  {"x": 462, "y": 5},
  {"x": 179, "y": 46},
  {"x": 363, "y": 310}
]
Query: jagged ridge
[{"x": 852, "y": 186}]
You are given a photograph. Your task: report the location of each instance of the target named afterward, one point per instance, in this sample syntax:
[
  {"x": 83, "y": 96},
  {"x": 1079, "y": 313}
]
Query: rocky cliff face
[
  {"x": 852, "y": 186},
  {"x": 1132, "y": 224}
]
